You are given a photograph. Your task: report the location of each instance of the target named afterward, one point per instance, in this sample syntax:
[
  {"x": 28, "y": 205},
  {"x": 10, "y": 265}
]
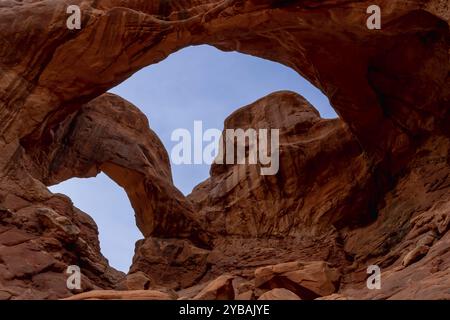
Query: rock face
[
  {"x": 124, "y": 295},
  {"x": 387, "y": 104},
  {"x": 372, "y": 187},
  {"x": 309, "y": 281},
  {"x": 171, "y": 263},
  {"x": 323, "y": 179},
  {"x": 279, "y": 294},
  {"x": 129, "y": 152},
  {"x": 40, "y": 236},
  {"x": 219, "y": 289}
]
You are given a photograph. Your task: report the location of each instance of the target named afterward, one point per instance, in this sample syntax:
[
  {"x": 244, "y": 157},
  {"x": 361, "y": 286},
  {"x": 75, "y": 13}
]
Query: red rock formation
[
  {"x": 40, "y": 236},
  {"x": 124, "y": 295},
  {"x": 170, "y": 263},
  {"x": 386, "y": 104},
  {"x": 218, "y": 289},
  {"x": 279, "y": 294},
  {"x": 383, "y": 199},
  {"x": 308, "y": 281},
  {"x": 247, "y": 214},
  {"x": 324, "y": 179},
  {"x": 111, "y": 135}
]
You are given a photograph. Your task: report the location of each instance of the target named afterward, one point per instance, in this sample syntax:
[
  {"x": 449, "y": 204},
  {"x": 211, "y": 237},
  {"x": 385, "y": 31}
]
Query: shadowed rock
[{"x": 370, "y": 188}]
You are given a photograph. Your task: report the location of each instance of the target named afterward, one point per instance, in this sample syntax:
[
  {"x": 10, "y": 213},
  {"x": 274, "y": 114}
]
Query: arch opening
[
  {"x": 107, "y": 203},
  {"x": 212, "y": 86}
]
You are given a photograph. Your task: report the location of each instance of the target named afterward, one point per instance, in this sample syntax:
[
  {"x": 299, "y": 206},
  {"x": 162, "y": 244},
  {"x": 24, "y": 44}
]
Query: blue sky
[{"x": 196, "y": 83}]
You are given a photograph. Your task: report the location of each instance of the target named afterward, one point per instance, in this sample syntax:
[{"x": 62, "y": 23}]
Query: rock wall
[
  {"x": 324, "y": 177},
  {"x": 381, "y": 199}
]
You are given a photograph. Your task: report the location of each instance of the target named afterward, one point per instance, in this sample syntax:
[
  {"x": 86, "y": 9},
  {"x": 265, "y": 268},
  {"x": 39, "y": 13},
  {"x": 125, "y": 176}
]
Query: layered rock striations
[
  {"x": 323, "y": 180},
  {"x": 111, "y": 135},
  {"x": 388, "y": 85},
  {"x": 370, "y": 188}
]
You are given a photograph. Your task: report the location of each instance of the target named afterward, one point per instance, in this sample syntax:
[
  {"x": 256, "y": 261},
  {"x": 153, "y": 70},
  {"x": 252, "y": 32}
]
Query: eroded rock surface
[
  {"x": 309, "y": 281},
  {"x": 218, "y": 289},
  {"x": 39, "y": 239},
  {"x": 370, "y": 188},
  {"x": 389, "y": 86},
  {"x": 111, "y": 135},
  {"x": 324, "y": 177},
  {"x": 124, "y": 295},
  {"x": 279, "y": 294}
]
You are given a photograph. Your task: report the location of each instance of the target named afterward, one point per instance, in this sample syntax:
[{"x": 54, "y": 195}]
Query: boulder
[
  {"x": 279, "y": 294},
  {"x": 218, "y": 289},
  {"x": 308, "y": 280}
]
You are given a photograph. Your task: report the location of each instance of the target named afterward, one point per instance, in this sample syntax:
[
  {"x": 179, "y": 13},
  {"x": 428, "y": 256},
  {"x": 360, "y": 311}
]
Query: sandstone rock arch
[
  {"x": 391, "y": 88},
  {"x": 61, "y": 68}
]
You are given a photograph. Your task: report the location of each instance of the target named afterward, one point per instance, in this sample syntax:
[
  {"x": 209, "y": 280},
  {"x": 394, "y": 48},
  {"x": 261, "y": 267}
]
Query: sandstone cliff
[{"x": 370, "y": 188}]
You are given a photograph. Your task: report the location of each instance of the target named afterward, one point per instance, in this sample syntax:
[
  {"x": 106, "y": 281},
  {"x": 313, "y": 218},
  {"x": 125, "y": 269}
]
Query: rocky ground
[{"x": 369, "y": 188}]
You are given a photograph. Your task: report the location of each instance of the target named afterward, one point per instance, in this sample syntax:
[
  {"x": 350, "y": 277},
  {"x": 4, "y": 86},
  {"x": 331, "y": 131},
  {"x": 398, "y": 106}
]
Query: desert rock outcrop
[
  {"x": 308, "y": 281},
  {"x": 372, "y": 187},
  {"x": 324, "y": 177},
  {"x": 279, "y": 294}
]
